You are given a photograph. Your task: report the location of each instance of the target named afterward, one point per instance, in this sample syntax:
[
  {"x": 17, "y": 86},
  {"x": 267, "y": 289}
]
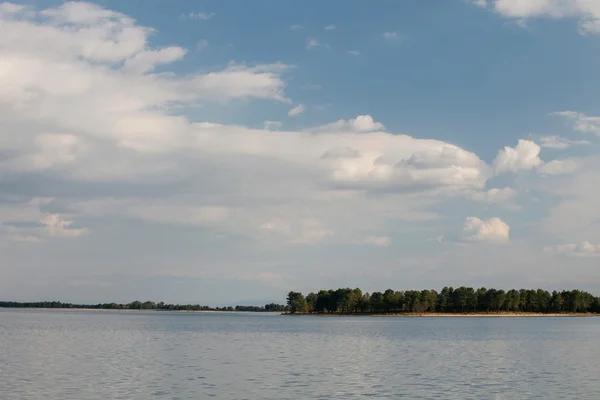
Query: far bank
[{"x": 501, "y": 314}]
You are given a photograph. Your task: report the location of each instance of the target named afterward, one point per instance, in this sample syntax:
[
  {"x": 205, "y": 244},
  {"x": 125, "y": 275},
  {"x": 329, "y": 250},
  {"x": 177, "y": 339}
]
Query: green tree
[
  {"x": 442, "y": 300},
  {"x": 323, "y": 301},
  {"x": 311, "y": 302},
  {"x": 354, "y": 302},
  {"x": 377, "y": 302},
  {"x": 296, "y": 302}
]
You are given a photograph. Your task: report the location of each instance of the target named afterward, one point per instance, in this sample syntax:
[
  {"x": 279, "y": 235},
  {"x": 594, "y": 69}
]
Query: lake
[{"x": 62, "y": 354}]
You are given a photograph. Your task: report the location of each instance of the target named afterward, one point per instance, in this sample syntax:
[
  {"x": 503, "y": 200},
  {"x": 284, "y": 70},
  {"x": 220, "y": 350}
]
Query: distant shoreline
[
  {"x": 138, "y": 310},
  {"x": 395, "y": 315},
  {"x": 500, "y": 314},
  {"x": 142, "y": 306}
]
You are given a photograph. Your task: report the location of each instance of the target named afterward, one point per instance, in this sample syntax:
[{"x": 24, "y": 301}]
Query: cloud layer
[
  {"x": 586, "y": 11},
  {"x": 99, "y": 135}
]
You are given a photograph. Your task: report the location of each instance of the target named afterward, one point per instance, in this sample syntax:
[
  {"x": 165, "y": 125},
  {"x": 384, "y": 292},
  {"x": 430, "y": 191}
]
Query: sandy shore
[{"x": 424, "y": 315}]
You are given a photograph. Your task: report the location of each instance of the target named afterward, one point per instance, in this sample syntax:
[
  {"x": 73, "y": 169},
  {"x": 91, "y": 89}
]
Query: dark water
[{"x": 137, "y": 355}]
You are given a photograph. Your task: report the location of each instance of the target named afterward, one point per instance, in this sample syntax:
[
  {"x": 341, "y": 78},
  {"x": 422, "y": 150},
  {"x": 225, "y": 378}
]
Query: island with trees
[{"x": 449, "y": 301}]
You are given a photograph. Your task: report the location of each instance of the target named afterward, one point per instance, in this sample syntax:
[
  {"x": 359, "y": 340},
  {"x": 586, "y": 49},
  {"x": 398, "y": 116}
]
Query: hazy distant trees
[
  {"x": 148, "y": 305},
  {"x": 448, "y": 300}
]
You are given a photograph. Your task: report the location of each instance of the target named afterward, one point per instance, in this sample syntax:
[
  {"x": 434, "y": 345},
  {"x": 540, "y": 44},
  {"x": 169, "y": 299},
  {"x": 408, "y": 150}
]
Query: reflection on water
[{"x": 136, "y": 355}]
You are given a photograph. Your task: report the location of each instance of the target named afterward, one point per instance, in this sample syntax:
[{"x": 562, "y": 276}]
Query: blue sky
[{"x": 228, "y": 152}]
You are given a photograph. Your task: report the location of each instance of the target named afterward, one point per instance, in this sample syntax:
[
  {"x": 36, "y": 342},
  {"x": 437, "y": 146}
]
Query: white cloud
[
  {"x": 107, "y": 124},
  {"x": 524, "y": 156},
  {"x": 10, "y": 9},
  {"x": 576, "y": 215},
  {"x": 312, "y": 43},
  {"x": 200, "y": 16},
  {"x": 95, "y": 138},
  {"x": 330, "y": 27},
  {"x": 354, "y": 52},
  {"x": 296, "y": 27},
  {"x": 557, "y": 142},
  {"x": 297, "y": 110},
  {"x": 147, "y": 60},
  {"x": 271, "y": 125},
  {"x": 445, "y": 166},
  {"x": 304, "y": 231},
  {"x": 480, "y": 3},
  {"x": 341, "y": 152},
  {"x": 491, "y": 230},
  {"x": 201, "y": 44},
  {"x": 362, "y": 123},
  {"x": 584, "y": 249},
  {"x": 587, "y": 11},
  {"x": 558, "y": 167},
  {"x": 581, "y": 122},
  {"x": 495, "y": 196},
  {"x": 25, "y": 222},
  {"x": 391, "y": 36},
  {"x": 378, "y": 241},
  {"x": 54, "y": 226}
]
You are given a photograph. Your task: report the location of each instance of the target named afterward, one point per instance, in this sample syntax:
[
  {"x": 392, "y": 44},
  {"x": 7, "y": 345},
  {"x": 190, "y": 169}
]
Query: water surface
[{"x": 61, "y": 354}]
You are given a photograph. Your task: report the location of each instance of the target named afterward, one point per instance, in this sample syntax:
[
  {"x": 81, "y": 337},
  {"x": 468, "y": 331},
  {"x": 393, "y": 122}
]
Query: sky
[{"x": 226, "y": 153}]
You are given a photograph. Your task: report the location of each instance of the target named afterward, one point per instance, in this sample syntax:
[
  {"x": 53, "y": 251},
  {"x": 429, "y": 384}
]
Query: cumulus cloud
[
  {"x": 297, "y": 110},
  {"x": 426, "y": 167},
  {"x": 147, "y": 60},
  {"x": 362, "y": 123},
  {"x": 587, "y": 11},
  {"x": 524, "y": 156},
  {"x": 581, "y": 122},
  {"x": 558, "y": 167},
  {"x": 557, "y": 142},
  {"x": 491, "y": 230},
  {"x": 584, "y": 249},
  {"x": 341, "y": 152},
  {"x": 87, "y": 108},
  {"x": 495, "y": 196},
  {"x": 354, "y": 52}
]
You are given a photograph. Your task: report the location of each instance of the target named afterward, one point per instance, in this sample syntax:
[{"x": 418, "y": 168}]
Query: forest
[
  {"x": 147, "y": 305},
  {"x": 462, "y": 300}
]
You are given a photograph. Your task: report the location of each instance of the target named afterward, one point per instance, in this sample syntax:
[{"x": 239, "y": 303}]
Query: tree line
[
  {"x": 147, "y": 305},
  {"x": 460, "y": 300}
]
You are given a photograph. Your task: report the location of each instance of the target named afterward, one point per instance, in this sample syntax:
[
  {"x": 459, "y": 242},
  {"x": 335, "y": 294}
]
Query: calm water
[{"x": 137, "y": 355}]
